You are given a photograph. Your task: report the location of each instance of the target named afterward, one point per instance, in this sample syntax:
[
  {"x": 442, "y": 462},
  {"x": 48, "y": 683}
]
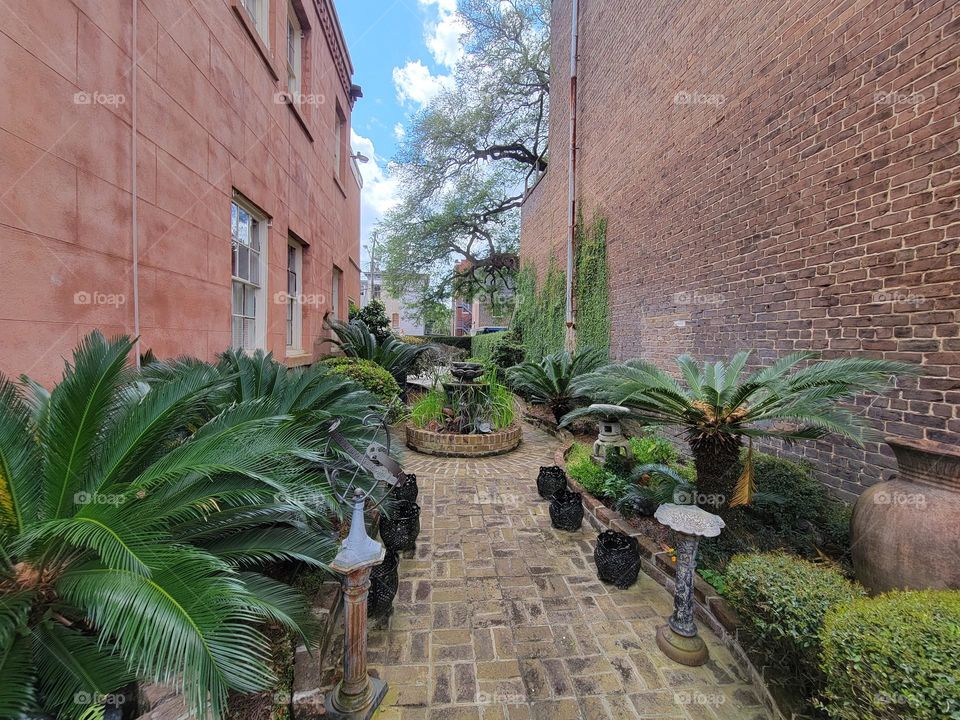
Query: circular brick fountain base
[{"x": 453, "y": 445}]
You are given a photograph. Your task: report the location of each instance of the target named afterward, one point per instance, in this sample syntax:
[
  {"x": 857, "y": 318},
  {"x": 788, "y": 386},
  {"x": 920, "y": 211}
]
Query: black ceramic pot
[
  {"x": 550, "y": 481},
  {"x": 399, "y": 531},
  {"x": 566, "y": 510},
  {"x": 408, "y": 490},
  {"x": 384, "y": 581},
  {"x": 618, "y": 558}
]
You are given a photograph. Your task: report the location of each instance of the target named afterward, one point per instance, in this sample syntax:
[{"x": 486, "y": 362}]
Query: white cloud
[
  {"x": 380, "y": 191},
  {"x": 415, "y": 83},
  {"x": 399, "y": 131},
  {"x": 444, "y": 37}
]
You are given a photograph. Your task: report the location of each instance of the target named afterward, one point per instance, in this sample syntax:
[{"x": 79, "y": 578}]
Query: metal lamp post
[
  {"x": 357, "y": 695},
  {"x": 678, "y": 639}
]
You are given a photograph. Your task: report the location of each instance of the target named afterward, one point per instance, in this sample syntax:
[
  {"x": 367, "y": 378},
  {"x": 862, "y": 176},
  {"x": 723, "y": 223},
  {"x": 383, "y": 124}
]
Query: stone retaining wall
[{"x": 452, "y": 445}]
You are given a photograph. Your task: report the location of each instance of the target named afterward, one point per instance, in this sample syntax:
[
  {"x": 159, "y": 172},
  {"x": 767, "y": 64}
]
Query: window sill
[
  {"x": 297, "y": 358},
  {"x": 288, "y": 100},
  {"x": 241, "y": 12}
]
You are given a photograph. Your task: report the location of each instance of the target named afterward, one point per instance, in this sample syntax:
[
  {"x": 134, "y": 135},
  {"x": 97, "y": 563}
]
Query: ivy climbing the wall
[{"x": 539, "y": 314}]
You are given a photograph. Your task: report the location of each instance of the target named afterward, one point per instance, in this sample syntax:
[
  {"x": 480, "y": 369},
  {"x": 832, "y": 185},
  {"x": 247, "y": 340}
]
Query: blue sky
[{"x": 403, "y": 53}]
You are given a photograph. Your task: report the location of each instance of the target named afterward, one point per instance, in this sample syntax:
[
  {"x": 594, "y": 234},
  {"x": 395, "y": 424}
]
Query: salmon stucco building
[
  {"x": 774, "y": 176},
  {"x": 178, "y": 171}
]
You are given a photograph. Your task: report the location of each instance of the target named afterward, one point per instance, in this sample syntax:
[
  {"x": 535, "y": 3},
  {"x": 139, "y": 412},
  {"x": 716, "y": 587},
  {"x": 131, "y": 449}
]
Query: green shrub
[
  {"x": 582, "y": 468},
  {"x": 481, "y": 346},
  {"x": 374, "y": 316},
  {"x": 782, "y": 600},
  {"x": 373, "y": 378},
  {"x": 893, "y": 657},
  {"x": 654, "y": 449},
  {"x": 508, "y": 351},
  {"x": 461, "y": 342},
  {"x": 428, "y": 409}
]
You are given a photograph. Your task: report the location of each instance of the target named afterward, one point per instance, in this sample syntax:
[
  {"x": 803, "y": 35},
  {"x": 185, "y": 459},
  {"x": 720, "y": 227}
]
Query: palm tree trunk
[{"x": 717, "y": 460}]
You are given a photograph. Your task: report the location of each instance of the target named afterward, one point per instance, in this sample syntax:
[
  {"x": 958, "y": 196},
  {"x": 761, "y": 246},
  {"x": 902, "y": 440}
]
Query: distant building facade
[
  {"x": 402, "y": 312},
  {"x": 188, "y": 178}
]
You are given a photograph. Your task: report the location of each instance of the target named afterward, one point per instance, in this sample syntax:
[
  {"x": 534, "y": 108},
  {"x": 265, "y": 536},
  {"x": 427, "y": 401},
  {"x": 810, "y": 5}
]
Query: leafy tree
[
  {"x": 374, "y": 316},
  {"x": 133, "y": 516},
  {"x": 469, "y": 154},
  {"x": 716, "y": 406}
]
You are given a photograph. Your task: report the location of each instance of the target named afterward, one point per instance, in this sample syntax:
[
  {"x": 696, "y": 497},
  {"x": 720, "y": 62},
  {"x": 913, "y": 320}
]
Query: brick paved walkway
[{"x": 501, "y": 616}]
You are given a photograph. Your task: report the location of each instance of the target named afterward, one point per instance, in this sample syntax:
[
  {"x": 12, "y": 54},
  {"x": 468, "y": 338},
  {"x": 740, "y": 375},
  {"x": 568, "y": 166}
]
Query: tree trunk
[{"x": 717, "y": 460}]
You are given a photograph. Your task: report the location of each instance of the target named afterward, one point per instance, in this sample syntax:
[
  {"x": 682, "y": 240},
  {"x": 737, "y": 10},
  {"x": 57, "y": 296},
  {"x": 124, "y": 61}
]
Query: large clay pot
[{"x": 904, "y": 533}]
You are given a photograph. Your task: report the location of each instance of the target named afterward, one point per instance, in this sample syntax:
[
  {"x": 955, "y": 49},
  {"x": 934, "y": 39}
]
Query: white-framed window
[
  {"x": 248, "y": 234},
  {"x": 259, "y": 11},
  {"x": 294, "y": 52},
  {"x": 336, "y": 292},
  {"x": 338, "y": 141},
  {"x": 294, "y": 293}
]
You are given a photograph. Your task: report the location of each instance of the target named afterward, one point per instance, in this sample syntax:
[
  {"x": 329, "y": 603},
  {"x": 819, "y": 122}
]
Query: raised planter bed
[{"x": 454, "y": 445}]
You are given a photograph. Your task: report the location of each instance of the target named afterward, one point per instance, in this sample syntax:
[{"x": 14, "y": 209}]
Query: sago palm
[
  {"x": 551, "y": 381},
  {"x": 717, "y": 405},
  {"x": 130, "y": 529},
  {"x": 392, "y": 354}
]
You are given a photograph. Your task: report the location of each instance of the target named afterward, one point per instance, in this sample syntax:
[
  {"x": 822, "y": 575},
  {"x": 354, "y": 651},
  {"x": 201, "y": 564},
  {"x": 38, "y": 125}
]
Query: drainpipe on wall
[
  {"x": 133, "y": 186},
  {"x": 570, "y": 340}
]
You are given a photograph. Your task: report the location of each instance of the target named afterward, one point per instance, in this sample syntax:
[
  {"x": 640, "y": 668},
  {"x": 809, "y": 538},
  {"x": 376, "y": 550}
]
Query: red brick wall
[
  {"x": 209, "y": 123},
  {"x": 801, "y": 194}
]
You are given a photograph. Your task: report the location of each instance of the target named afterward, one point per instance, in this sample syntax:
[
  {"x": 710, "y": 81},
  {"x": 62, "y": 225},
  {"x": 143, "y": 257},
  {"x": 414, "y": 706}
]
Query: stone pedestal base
[
  {"x": 690, "y": 651},
  {"x": 363, "y": 707}
]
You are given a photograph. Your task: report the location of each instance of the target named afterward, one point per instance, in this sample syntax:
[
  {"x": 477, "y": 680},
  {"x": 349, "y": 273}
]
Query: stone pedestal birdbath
[{"x": 678, "y": 639}]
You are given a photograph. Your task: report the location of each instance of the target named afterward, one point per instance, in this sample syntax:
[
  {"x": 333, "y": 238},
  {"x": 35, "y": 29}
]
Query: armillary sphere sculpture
[{"x": 358, "y": 695}]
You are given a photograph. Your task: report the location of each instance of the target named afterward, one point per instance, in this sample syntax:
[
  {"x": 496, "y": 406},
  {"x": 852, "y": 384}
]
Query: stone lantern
[
  {"x": 610, "y": 439},
  {"x": 678, "y": 639}
]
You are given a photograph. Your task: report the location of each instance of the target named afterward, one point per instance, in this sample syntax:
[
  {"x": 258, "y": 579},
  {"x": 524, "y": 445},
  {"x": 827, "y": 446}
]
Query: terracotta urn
[{"x": 905, "y": 533}]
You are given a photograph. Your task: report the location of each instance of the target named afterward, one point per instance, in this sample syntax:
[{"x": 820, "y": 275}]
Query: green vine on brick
[{"x": 540, "y": 312}]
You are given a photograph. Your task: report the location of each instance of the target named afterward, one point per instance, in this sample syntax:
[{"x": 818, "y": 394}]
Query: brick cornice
[{"x": 333, "y": 33}]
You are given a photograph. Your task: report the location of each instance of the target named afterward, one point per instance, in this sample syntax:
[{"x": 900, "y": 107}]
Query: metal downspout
[
  {"x": 135, "y": 229},
  {"x": 570, "y": 339}
]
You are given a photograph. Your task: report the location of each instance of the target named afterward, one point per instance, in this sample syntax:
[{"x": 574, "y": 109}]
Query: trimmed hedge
[
  {"x": 463, "y": 343},
  {"x": 893, "y": 657},
  {"x": 482, "y": 345},
  {"x": 373, "y": 378},
  {"x": 783, "y": 600}
]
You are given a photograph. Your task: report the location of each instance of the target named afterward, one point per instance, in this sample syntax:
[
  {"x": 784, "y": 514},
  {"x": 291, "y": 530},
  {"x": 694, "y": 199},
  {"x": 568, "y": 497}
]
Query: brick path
[{"x": 501, "y": 616}]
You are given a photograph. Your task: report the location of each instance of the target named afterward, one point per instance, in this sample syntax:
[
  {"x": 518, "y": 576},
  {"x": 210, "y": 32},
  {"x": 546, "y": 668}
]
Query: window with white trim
[
  {"x": 339, "y": 137},
  {"x": 294, "y": 52},
  {"x": 259, "y": 11},
  {"x": 248, "y": 233},
  {"x": 335, "y": 295},
  {"x": 294, "y": 294}
]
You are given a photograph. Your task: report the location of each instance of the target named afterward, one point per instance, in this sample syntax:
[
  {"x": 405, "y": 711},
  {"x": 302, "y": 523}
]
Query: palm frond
[
  {"x": 274, "y": 545},
  {"x": 20, "y": 462},
  {"x": 17, "y": 697},
  {"x": 276, "y": 602}
]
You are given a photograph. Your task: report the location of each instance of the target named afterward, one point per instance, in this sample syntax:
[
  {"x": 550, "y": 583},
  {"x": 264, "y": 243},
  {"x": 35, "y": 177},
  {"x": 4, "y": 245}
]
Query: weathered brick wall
[{"x": 776, "y": 176}]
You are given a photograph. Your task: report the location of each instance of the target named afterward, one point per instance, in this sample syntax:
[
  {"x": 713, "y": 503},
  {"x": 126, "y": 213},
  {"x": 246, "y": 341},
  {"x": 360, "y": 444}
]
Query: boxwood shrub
[
  {"x": 371, "y": 377},
  {"x": 782, "y": 601},
  {"x": 893, "y": 657}
]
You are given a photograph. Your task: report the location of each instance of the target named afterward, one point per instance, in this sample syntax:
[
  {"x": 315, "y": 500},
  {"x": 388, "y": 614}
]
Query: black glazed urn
[
  {"x": 618, "y": 558},
  {"x": 550, "y": 481},
  {"x": 384, "y": 581},
  {"x": 400, "y": 529},
  {"x": 566, "y": 510},
  {"x": 407, "y": 488}
]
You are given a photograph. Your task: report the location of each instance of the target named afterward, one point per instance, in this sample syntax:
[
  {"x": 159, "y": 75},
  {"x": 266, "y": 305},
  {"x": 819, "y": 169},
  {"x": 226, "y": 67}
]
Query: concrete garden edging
[{"x": 710, "y": 609}]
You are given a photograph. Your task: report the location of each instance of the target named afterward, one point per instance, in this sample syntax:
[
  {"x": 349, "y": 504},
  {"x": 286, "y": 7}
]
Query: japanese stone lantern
[{"x": 610, "y": 439}]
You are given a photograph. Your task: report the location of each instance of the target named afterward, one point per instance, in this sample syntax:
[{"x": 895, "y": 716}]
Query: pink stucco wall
[{"x": 209, "y": 123}]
